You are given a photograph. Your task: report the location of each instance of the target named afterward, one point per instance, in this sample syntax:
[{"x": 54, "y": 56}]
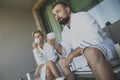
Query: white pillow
[{"x": 117, "y": 47}]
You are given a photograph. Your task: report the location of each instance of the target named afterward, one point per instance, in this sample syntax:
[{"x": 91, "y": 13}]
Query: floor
[{"x": 79, "y": 78}]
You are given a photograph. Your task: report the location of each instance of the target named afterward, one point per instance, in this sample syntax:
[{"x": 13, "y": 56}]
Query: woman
[{"x": 45, "y": 56}]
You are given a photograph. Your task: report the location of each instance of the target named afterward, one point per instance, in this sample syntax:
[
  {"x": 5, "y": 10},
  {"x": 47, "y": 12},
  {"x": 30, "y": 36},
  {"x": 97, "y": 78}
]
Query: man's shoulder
[
  {"x": 64, "y": 29},
  {"x": 80, "y": 13},
  {"x": 83, "y": 16}
]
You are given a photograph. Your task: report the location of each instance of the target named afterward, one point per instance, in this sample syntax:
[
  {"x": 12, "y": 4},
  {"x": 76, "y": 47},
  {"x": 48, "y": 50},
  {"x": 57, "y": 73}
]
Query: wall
[
  {"x": 107, "y": 10},
  {"x": 16, "y": 56}
]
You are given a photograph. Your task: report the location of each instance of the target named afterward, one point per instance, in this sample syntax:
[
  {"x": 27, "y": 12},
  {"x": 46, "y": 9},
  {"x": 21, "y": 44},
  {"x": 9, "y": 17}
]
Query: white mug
[
  {"x": 51, "y": 35},
  {"x": 37, "y": 40}
]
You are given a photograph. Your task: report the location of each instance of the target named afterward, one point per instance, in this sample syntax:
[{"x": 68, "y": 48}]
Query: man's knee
[{"x": 93, "y": 55}]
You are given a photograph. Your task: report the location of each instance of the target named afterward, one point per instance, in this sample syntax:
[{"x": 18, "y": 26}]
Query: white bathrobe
[
  {"x": 42, "y": 56},
  {"x": 85, "y": 32}
]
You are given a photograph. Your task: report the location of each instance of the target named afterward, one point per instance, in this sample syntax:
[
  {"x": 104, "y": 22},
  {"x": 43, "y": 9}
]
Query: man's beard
[{"x": 64, "y": 21}]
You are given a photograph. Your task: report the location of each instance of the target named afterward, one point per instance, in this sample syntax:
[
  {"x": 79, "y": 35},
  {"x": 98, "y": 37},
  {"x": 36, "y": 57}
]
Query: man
[{"x": 83, "y": 36}]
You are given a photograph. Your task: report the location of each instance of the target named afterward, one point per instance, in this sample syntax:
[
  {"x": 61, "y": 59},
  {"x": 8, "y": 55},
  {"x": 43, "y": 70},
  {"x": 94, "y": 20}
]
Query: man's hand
[
  {"x": 68, "y": 60},
  {"x": 51, "y": 41},
  {"x": 76, "y": 52}
]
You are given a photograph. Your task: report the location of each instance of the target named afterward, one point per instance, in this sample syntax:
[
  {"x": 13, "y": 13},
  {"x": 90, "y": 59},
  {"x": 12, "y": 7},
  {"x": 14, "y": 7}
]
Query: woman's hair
[
  {"x": 37, "y": 31},
  {"x": 62, "y": 3}
]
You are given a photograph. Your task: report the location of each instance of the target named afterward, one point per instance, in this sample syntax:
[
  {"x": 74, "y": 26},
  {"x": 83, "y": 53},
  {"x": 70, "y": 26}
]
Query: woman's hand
[
  {"x": 34, "y": 45},
  {"x": 36, "y": 74},
  {"x": 41, "y": 65}
]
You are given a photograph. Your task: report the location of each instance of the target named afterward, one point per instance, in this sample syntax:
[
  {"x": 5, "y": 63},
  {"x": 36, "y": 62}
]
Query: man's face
[{"x": 61, "y": 14}]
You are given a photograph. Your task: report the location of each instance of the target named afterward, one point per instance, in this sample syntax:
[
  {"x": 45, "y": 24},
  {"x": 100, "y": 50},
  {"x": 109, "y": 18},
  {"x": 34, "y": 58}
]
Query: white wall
[
  {"x": 16, "y": 56},
  {"x": 107, "y": 10}
]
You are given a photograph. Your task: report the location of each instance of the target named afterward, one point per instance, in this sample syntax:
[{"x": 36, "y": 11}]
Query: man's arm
[
  {"x": 76, "y": 52},
  {"x": 56, "y": 45}
]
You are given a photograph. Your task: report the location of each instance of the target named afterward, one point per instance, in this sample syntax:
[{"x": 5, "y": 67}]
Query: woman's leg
[
  {"x": 53, "y": 68},
  {"x": 49, "y": 74},
  {"x": 66, "y": 71}
]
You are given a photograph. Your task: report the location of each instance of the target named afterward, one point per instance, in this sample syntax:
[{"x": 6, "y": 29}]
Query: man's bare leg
[
  {"x": 99, "y": 65},
  {"x": 66, "y": 71}
]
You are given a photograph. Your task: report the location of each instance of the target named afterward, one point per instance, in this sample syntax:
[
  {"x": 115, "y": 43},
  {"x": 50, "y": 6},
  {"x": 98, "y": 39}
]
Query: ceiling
[{"x": 26, "y": 4}]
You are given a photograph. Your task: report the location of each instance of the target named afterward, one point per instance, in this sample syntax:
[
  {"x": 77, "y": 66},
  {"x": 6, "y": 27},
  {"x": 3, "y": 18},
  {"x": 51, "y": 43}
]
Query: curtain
[{"x": 50, "y": 22}]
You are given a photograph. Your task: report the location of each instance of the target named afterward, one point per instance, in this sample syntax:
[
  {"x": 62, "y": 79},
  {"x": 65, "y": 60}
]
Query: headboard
[{"x": 113, "y": 31}]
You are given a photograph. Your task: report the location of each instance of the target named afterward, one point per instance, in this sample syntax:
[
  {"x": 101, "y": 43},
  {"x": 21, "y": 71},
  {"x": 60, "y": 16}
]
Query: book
[{"x": 78, "y": 62}]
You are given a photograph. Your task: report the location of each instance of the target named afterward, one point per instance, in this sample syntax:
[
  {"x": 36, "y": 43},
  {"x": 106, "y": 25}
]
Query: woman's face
[{"x": 39, "y": 36}]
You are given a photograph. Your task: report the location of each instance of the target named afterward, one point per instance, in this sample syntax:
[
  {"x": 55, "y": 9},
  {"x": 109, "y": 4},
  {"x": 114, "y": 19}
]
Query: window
[
  {"x": 82, "y": 5},
  {"x": 49, "y": 20}
]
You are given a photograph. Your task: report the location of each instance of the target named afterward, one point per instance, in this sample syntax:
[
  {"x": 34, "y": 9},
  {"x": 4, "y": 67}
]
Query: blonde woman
[{"x": 45, "y": 56}]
